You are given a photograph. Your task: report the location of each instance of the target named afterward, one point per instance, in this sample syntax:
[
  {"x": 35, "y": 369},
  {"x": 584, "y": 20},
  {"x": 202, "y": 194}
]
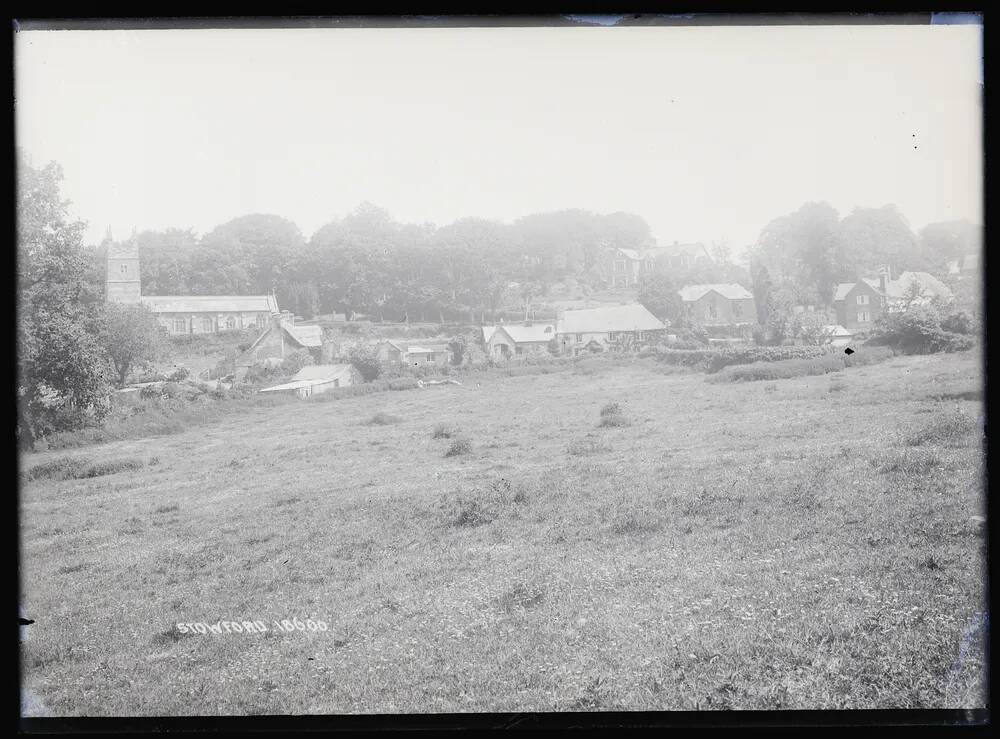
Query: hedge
[
  {"x": 785, "y": 369},
  {"x": 713, "y": 360}
]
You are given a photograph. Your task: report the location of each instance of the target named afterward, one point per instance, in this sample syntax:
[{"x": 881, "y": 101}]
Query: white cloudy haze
[{"x": 708, "y": 133}]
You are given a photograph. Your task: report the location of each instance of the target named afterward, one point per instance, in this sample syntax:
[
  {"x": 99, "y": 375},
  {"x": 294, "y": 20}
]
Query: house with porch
[{"x": 516, "y": 340}]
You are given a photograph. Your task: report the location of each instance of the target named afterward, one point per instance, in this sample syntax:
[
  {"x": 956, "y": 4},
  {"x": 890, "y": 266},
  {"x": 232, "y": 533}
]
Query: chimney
[{"x": 883, "y": 277}]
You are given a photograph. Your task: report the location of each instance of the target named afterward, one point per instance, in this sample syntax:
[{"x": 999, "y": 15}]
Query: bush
[
  {"x": 296, "y": 361},
  {"x": 179, "y": 375},
  {"x": 382, "y": 419},
  {"x": 821, "y": 365},
  {"x": 614, "y": 420},
  {"x": 923, "y": 329},
  {"x": 714, "y": 360}
]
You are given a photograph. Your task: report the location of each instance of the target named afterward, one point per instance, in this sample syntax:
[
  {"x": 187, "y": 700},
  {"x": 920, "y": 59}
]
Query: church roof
[{"x": 211, "y": 303}]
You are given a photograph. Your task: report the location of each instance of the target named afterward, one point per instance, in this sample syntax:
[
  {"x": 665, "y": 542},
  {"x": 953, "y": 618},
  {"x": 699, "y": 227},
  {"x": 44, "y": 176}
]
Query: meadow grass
[{"x": 743, "y": 546}]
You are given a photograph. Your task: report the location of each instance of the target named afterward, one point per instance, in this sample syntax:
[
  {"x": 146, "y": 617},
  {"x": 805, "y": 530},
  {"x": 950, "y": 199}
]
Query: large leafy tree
[
  {"x": 260, "y": 244},
  {"x": 658, "y": 293},
  {"x": 130, "y": 337},
  {"x": 62, "y": 371},
  {"x": 871, "y": 237},
  {"x": 947, "y": 240},
  {"x": 800, "y": 248}
]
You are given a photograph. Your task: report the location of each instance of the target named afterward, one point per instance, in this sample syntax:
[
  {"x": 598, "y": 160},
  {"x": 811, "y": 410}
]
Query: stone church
[{"x": 184, "y": 314}]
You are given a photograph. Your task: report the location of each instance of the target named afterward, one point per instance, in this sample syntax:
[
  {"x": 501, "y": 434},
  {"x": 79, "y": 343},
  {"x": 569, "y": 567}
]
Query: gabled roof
[
  {"x": 521, "y": 334},
  {"x": 210, "y": 303},
  {"x": 928, "y": 283},
  {"x": 728, "y": 290},
  {"x": 304, "y": 335},
  {"x": 845, "y": 287},
  {"x": 835, "y": 330},
  {"x": 633, "y": 317},
  {"x": 321, "y": 372},
  {"x": 696, "y": 249},
  {"x": 488, "y": 333}
]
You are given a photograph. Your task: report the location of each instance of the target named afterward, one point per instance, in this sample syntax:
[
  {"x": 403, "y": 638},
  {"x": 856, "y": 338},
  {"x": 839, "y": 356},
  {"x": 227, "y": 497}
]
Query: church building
[{"x": 184, "y": 314}]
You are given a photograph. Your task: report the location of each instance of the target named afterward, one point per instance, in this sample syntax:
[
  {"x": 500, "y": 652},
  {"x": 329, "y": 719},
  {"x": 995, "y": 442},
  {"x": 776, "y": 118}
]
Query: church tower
[{"x": 123, "y": 271}]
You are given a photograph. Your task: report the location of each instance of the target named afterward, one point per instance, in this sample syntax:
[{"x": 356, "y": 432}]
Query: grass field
[{"x": 803, "y": 543}]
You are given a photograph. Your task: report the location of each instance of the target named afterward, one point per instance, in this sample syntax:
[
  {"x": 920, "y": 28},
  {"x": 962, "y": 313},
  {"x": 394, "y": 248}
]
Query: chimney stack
[{"x": 884, "y": 277}]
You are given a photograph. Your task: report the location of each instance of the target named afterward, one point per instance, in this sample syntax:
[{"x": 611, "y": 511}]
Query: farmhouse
[
  {"x": 316, "y": 379},
  {"x": 719, "y": 304},
  {"x": 859, "y": 304},
  {"x": 508, "y": 340},
  {"x": 679, "y": 256},
  {"x": 281, "y": 338},
  {"x": 626, "y": 267},
  {"x": 610, "y": 327}
]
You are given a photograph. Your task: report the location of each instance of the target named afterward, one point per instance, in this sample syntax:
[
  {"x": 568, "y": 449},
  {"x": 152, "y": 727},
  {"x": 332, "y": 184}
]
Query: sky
[{"x": 706, "y": 132}]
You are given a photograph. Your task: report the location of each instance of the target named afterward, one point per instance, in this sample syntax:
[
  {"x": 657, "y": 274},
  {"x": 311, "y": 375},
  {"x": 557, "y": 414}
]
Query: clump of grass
[
  {"x": 168, "y": 508},
  {"x": 522, "y": 596},
  {"x": 584, "y": 447},
  {"x": 78, "y": 468},
  {"x": 465, "y": 511},
  {"x": 444, "y": 431},
  {"x": 614, "y": 420},
  {"x": 836, "y": 386},
  {"x": 949, "y": 429},
  {"x": 459, "y": 445},
  {"x": 611, "y": 409},
  {"x": 909, "y": 462},
  {"x": 382, "y": 419}
]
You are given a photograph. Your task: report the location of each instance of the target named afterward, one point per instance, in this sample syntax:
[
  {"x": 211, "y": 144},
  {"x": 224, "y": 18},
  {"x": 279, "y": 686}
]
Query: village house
[
  {"x": 677, "y": 256},
  {"x": 316, "y": 379},
  {"x": 627, "y": 267},
  {"x": 281, "y": 338},
  {"x": 721, "y": 304},
  {"x": 399, "y": 351},
  {"x": 183, "y": 314},
  {"x": 508, "y": 340},
  {"x": 605, "y": 328},
  {"x": 859, "y": 304}
]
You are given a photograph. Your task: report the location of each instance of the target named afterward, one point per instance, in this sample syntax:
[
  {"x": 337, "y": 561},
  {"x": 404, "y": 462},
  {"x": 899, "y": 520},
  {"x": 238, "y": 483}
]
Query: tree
[
  {"x": 62, "y": 373},
  {"x": 871, "y": 237},
  {"x": 800, "y": 248},
  {"x": 365, "y": 360},
  {"x": 942, "y": 242},
  {"x": 658, "y": 294},
  {"x": 458, "y": 346},
  {"x": 130, "y": 337},
  {"x": 761, "y": 282}
]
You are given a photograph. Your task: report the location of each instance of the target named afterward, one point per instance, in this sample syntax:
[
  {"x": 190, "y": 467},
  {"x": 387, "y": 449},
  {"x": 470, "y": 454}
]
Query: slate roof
[
  {"x": 211, "y": 303},
  {"x": 314, "y": 374},
  {"x": 304, "y": 335},
  {"x": 521, "y": 334},
  {"x": 633, "y": 317},
  {"x": 728, "y": 290},
  {"x": 929, "y": 285},
  {"x": 845, "y": 287}
]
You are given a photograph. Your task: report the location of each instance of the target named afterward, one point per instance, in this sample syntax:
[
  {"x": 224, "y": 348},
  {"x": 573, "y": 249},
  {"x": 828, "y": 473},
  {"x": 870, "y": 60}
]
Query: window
[
  {"x": 179, "y": 325},
  {"x": 862, "y": 300},
  {"x": 619, "y": 265},
  {"x": 261, "y": 320},
  {"x": 548, "y": 330},
  {"x": 230, "y": 323},
  {"x": 124, "y": 269},
  {"x": 737, "y": 310},
  {"x": 863, "y": 316},
  {"x": 518, "y": 350},
  {"x": 579, "y": 338},
  {"x": 430, "y": 358},
  {"x": 206, "y": 325}
]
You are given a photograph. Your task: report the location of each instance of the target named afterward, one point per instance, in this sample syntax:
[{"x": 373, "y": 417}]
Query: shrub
[
  {"x": 459, "y": 446},
  {"x": 951, "y": 427},
  {"x": 179, "y": 375},
  {"x": 382, "y": 419},
  {"x": 296, "y": 361},
  {"x": 826, "y": 363}
]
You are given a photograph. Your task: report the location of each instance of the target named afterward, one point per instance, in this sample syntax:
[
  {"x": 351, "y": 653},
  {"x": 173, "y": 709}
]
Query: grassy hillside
[{"x": 803, "y": 543}]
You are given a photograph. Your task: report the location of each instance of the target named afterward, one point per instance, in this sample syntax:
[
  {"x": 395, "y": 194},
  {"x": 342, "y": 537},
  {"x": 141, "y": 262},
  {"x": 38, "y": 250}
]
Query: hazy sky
[{"x": 708, "y": 132}]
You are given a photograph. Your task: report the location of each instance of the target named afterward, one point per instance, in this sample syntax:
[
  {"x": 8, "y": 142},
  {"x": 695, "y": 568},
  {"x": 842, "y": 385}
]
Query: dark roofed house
[
  {"x": 719, "y": 304},
  {"x": 859, "y": 304}
]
